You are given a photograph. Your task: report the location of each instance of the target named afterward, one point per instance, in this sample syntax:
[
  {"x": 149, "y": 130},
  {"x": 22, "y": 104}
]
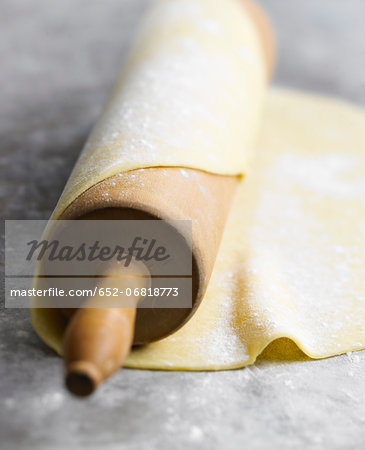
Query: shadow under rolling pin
[{"x": 97, "y": 340}]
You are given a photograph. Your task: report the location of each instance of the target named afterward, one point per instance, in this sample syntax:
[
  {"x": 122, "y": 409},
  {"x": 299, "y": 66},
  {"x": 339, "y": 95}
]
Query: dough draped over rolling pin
[
  {"x": 189, "y": 95},
  {"x": 291, "y": 263}
]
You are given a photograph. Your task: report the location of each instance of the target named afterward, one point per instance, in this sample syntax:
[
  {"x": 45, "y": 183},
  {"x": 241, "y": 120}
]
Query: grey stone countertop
[{"x": 58, "y": 61}]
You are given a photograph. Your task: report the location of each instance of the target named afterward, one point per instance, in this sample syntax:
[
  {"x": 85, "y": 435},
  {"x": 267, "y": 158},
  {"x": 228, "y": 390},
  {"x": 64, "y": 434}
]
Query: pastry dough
[
  {"x": 189, "y": 95},
  {"x": 292, "y": 260}
]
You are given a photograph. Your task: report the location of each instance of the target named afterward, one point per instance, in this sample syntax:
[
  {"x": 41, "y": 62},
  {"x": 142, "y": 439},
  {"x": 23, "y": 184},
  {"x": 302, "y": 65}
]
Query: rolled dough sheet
[
  {"x": 292, "y": 260},
  {"x": 189, "y": 95}
]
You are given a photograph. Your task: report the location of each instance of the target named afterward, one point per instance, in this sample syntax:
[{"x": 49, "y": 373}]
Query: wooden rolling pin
[{"x": 97, "y": 340}]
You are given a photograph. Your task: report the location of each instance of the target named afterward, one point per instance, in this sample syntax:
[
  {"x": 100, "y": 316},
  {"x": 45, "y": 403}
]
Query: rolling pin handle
[{"x": 98, "y": 339}]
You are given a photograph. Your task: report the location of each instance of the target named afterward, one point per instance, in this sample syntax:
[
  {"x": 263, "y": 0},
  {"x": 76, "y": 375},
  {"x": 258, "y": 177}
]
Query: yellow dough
[
  {"x": 292, "y": 260},
  {"x": 189, "y": 95}
]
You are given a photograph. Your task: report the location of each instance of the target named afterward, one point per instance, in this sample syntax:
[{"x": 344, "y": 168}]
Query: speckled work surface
[{"x": 58, "y": 62}]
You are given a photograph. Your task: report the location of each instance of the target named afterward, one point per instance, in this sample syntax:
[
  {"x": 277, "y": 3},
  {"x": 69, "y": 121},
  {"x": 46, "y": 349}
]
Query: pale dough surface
[
  {"x": 292, "y": 260},
  {"x": 189, "y": 95}
]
